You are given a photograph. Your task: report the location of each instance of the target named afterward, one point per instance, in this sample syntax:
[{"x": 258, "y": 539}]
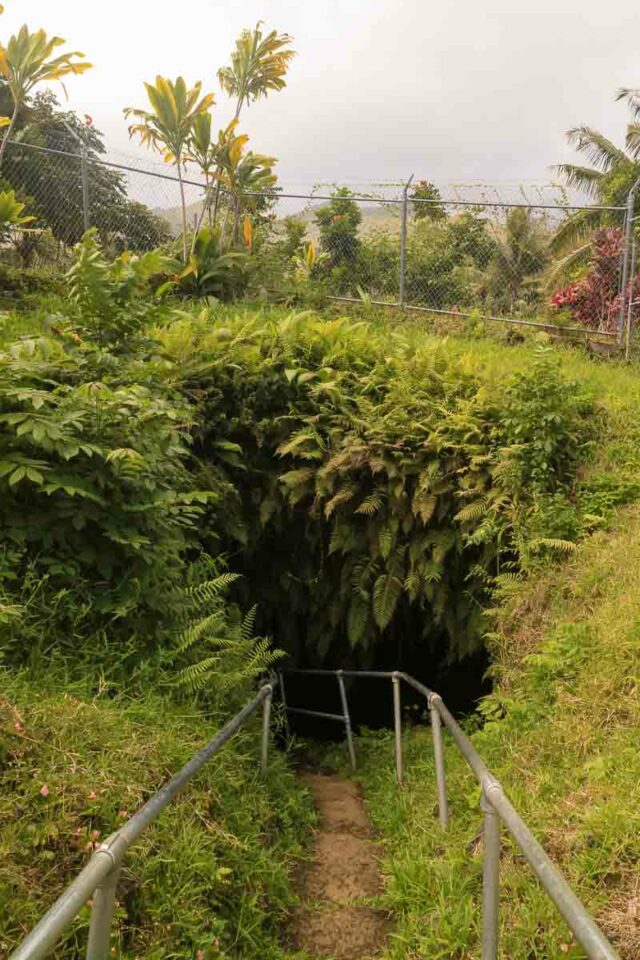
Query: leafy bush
[
  {"x": 594, "y": 298},
  {"x": 211, "y": 270},
  {"x": 96, "y": 500},
  {"x": 109, "y": 294}
]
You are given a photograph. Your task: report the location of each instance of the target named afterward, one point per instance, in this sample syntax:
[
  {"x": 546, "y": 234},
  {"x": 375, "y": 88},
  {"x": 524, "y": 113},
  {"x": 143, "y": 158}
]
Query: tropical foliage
[
  {"x": 168, "y": 125},
  {"x": 259, "y": 64},
  {"x": 28, "y": 60}
]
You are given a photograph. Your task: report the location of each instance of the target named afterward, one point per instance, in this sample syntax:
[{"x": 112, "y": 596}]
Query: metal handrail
[
  {"x": 496, "y": 808},
  {"x": 99, "y": 878}
]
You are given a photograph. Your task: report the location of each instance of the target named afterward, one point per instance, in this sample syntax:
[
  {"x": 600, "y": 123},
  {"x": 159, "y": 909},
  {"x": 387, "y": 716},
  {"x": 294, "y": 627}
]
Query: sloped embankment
[{"x": 561, "y": 731}]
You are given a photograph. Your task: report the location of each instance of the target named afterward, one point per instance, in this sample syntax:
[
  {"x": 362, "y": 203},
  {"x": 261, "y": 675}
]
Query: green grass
[
  {"x": 562, "y": 734},
  {"x": 212, "y": 874}
]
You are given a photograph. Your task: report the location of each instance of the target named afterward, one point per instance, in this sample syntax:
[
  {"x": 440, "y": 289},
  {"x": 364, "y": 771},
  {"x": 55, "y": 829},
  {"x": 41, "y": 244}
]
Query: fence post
[
  {"x": 347, "y": 718},
  {"x": 397, "y": 725},
  {"x": 86, "y": 208},
  {"x": 490, "y": 881},
  {"x": 266, "y": 719},
  {"x": 438, "y": 755},
  {"x": 104, "y": 902},
  {"x": 626, "y": 256},
  {"x": 632, "y": 293},
  {"x": 403, "y": 241}
]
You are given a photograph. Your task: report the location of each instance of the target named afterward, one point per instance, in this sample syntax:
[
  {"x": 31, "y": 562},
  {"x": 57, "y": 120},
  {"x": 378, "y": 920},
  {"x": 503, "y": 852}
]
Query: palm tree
[
  {"x": 28, "y": 60},
  {"x": 607, "y": 178},
  {"x": 168, "y": 126},
  {"x": 520, "y": 255},
  {"x": 258, "y": 65}
]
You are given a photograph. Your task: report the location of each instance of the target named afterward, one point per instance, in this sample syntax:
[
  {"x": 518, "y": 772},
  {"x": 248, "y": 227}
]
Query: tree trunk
[
  {"x": 9, "y": 129},
  {"x": 184, "y": 214},
  {"x": 236, "y": 219}
]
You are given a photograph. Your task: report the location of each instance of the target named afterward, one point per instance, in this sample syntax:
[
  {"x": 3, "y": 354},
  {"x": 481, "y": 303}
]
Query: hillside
[
  {"x": 290, "y": 442},
  {"x": 561, "y": 732},
  {"x": 375, "y": 216}
]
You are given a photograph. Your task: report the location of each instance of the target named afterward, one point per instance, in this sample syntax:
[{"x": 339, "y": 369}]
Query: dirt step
[
  {"x": 331, "y": 923},
  {"x": 341, "y": 933}
]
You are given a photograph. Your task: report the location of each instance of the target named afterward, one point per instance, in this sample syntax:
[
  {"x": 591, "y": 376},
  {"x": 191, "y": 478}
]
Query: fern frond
[
  {"x": 248, "y": 623},
  {"x": 386, "y": 593},
  {"x": 199, "y": 629},
  {"x": 566, "y": 546},
  {"x": 370, "y": 505},
  {"x": 473, "y": 511}
]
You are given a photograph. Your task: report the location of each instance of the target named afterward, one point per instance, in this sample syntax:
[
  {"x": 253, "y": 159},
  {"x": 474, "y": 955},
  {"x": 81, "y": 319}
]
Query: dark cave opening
[{"x": 461, "y": 684}]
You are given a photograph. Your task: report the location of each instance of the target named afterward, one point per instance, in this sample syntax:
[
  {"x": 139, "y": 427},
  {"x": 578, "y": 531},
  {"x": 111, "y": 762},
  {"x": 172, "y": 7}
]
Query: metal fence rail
[
  {"x": 470, "y": 254},
  {"x": 99, "y": 878},
  {"x": 497, "y": 810}
]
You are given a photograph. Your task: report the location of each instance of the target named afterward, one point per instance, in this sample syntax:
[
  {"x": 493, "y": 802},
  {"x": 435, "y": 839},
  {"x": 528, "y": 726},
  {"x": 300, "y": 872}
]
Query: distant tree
[
  {"x": 295, "y": 234},
  {"x": 27, "y": 60},
  {"x": 51, "y": 182},
  {"x": 520, "y": 256},
  {"x": 469, "y": 237},
  {"x": 338, "y": 223},
  {"x": 435, "y": 209}
]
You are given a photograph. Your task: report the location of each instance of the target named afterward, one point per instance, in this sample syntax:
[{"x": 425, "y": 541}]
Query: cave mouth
[{"x": 461, "y": 685}]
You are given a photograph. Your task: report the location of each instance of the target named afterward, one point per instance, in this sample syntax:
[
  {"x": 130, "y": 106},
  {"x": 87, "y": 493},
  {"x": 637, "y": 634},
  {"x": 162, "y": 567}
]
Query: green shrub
[{"x": 97, "y": 501}]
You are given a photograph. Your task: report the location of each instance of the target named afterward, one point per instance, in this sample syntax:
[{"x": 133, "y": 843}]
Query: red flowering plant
[{"x": 594, "y": 300}]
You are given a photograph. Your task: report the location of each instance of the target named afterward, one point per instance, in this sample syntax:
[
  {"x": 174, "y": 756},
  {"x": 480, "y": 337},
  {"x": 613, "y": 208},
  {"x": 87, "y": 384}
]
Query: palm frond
[
  {"x": 598, "y": 149},
  {"x": 632, "y": 98}
]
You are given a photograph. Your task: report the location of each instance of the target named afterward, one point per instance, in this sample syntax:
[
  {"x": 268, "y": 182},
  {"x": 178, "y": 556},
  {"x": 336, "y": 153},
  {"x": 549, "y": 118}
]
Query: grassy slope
[
  {"x": 211, "y": 875},
  {"x": 563, "y": 738}
]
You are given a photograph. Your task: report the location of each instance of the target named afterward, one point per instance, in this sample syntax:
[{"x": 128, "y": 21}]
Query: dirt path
[{"x": 330, "y": 923}]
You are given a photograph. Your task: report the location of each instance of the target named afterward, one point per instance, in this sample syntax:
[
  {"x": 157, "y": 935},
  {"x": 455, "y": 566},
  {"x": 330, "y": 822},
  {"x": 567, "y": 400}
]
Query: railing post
[
  {"x": 266, "y": 721},
  {"x": 397, "y": 725},
  {"x": 347, "y": 719},
  {"x": 403, "y": 242},
  {"x": 438, "y": 756},
  {"x": 283, "y": 697},
  {"x": 490, "y": 881},
  {"x": 104, "y": 902}
]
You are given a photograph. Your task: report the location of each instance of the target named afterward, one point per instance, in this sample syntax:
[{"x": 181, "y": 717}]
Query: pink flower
[
  {"x": 92, "y": 795},
  {"x": 44, "y": 790}
]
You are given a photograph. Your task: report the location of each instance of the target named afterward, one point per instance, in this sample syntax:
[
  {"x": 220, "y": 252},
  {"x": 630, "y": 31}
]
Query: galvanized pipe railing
[
  {"x": 99, "y": 877},
  {"x": 497, "y": 810}
]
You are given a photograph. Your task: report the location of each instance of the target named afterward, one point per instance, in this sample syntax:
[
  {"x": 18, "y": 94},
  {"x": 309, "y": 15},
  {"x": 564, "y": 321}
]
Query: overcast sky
[{"x": 380, "y": 89}]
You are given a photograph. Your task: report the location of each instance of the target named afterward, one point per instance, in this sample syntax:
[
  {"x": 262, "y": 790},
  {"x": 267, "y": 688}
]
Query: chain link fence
[{"x": 526, "y": 256}]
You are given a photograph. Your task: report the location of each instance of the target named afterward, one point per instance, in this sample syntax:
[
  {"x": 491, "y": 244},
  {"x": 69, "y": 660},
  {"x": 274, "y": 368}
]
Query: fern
[{"x": 216, "y": 653}]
